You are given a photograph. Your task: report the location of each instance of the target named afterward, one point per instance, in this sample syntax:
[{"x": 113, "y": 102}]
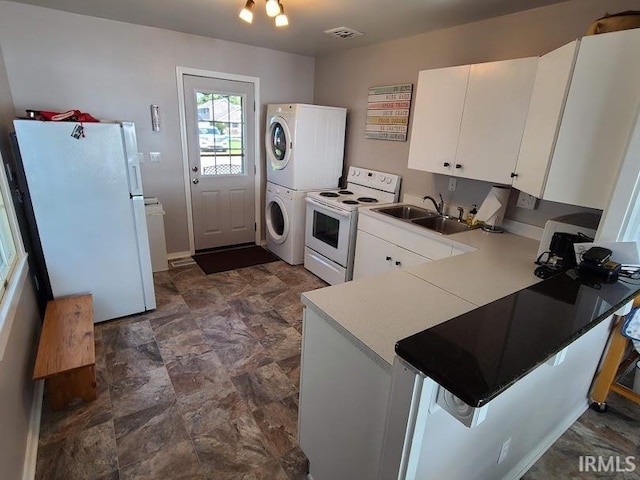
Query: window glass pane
[{"x": 221, "y": 132}]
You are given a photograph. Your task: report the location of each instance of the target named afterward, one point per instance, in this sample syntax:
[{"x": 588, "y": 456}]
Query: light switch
[{"x": 154, "y": 157}]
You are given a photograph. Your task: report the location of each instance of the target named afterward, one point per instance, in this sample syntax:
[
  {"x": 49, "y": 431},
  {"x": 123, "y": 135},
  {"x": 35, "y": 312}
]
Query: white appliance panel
[
  {"x": 328, "y": 231},
  {"x": 314, "y": 146},
  {"x": 322, "y": 267},
  {"x": 144, "y": 251},
  {"x": 80, "y": 193},
  {"x": 285, "y": 234}
]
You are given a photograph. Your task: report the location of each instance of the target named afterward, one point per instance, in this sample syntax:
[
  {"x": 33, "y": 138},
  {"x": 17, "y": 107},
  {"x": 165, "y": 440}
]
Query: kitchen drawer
[{"x": 404, "y": 238}]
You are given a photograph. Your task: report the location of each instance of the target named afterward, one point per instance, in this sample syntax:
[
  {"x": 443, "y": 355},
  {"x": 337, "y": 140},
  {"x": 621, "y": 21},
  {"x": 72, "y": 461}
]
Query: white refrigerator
[{"x": 85, "y": 194}]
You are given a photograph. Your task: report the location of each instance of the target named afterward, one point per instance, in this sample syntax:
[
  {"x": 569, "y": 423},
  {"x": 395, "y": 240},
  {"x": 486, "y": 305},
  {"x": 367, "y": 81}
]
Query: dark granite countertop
[{"x": 478, "y": 355}]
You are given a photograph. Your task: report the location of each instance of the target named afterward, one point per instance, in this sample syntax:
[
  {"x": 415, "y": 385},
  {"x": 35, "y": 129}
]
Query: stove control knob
[
  {"x": 389, "y": 180},
  {"x": 357, "y": 173},
  {"x": 353, "y": 172},
  {"x": 382, "y": 178}
]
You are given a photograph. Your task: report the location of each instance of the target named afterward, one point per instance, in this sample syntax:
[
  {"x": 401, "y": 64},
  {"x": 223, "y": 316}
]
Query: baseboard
[
  {"x": 31, "y": 452},
  {"x": 525, "y": 464},
  {"x": 178, "y": 255}
]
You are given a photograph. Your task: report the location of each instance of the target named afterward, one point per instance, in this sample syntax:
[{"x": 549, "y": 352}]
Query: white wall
[
  {"x": 16, "y": 366},
  {"x": 57, "y": 60},
  {"x": 343, "y": 79}
]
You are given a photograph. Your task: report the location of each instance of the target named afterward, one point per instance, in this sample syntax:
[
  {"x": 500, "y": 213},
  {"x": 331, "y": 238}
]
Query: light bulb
[
  {"x": 281, "y": 19},
  {"x": 246, "y": 13},
  {"x": 273, "y": 8}
]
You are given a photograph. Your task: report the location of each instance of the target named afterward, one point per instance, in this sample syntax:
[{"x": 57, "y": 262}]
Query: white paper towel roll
[{"x": 492, "y": 209}]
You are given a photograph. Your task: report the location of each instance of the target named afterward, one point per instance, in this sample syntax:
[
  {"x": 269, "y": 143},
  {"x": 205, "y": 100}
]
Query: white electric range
[{"x": 332, "y": 219}]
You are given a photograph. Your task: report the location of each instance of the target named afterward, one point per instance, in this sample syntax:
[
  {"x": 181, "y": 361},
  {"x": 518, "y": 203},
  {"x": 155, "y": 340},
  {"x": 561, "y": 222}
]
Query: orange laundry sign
[{"x": 388, "y": 110}]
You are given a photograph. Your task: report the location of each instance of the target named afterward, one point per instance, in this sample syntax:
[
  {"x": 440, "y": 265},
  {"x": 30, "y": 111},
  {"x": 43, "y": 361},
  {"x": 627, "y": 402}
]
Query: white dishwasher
[{"x": 155, "y": 227}]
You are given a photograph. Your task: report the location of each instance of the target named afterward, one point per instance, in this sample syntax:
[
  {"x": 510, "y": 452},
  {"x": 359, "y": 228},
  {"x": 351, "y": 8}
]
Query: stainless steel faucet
[
  {"x": 460, "y": 213},
  {"x": 439, "y": 205}
]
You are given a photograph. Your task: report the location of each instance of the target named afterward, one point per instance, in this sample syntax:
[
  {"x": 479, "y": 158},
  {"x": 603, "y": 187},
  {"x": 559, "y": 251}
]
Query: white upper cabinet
[
  {"x": 468, "y": 120},
  {"x": 600, "y": 112},
  {"x": 437, "y": 115},
  {"x": 545, "y": 111},
  {"x": 495, "y": 113}
]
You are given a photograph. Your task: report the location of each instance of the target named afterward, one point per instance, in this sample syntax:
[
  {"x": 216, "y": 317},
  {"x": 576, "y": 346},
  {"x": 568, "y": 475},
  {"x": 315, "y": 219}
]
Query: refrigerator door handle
[{"x": 136, "y": 179}]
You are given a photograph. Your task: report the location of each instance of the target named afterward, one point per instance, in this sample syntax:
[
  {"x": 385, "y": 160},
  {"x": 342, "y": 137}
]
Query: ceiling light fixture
[
  {"x": 273, "y": 7},
  {"x": 281, "y": 19},
  {"x": 246, "y": 13}
]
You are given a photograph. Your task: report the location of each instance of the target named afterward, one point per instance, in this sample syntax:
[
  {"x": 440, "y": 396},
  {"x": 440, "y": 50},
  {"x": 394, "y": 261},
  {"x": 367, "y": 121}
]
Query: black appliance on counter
[{"x": 561, "y": 254}]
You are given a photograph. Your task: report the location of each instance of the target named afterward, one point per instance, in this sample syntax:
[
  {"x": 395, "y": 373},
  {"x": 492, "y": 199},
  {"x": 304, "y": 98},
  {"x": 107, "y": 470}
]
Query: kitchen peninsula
[{"x": 367, "y": 413}]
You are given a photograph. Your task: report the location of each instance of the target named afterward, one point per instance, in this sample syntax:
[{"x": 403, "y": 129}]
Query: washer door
[
  {"x": 278, "y": 143},
  {"x": 277, "y": 220}
]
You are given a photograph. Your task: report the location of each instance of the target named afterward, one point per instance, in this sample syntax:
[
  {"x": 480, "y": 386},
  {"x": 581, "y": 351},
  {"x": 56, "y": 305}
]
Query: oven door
[{"x": 328, "y": 231}]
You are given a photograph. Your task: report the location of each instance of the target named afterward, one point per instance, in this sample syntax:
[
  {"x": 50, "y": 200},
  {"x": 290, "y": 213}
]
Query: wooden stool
[
  {"x": 612, "y": 365},
  {"x": 66, "y": 353}
]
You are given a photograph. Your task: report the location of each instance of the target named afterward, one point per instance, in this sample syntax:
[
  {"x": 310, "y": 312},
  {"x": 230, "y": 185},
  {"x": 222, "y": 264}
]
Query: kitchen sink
[
  {"x": 405, "y": 212},
  {"x": 443, "y": 225},
  {"x": 426, "y": 219}
]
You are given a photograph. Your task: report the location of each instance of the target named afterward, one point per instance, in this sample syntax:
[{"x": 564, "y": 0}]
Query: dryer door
[
  {"x": 277, "y": 220},
  {"x": 278, "y": 143}
]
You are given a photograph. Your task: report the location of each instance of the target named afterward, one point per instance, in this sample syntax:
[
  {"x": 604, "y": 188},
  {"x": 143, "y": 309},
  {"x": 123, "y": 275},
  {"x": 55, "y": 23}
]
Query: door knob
[
  {"x": 398, "y": 263},
  {"x": 388, "y": 258},
  {"x": 195, "y": 181},
  {"x": 194, "y": 169},
  {"x": 514, "y": 175},
  {"x": 446, "y": 164},
  {"x": 458, "y": 165}
]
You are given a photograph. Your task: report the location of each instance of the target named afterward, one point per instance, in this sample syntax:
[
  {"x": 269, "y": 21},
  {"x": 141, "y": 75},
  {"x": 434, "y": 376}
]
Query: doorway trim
[{"x": 180, "y": 72}]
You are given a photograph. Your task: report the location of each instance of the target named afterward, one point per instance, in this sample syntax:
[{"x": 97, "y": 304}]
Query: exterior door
[{"x": 220, "y": 130}]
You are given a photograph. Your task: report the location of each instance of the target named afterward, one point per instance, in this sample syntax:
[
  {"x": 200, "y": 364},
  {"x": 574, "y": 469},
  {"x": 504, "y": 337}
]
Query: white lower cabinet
[
  {"x": 343, "y": 402},
  {"x": 375, "y": 255},
  {"x": 382, "y": 247}
]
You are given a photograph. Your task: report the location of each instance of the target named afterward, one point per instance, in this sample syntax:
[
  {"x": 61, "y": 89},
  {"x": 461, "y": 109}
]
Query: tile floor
[{"x": 206, "y": 387}]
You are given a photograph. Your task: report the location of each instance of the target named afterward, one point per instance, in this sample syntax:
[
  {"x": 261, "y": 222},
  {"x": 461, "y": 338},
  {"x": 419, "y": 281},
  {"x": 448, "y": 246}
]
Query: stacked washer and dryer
[{"x": 305, "y": 152}]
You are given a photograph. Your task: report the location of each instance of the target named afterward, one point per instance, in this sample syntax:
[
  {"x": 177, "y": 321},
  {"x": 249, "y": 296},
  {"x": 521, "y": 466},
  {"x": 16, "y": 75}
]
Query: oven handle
[{"x": 320, "y": 206}]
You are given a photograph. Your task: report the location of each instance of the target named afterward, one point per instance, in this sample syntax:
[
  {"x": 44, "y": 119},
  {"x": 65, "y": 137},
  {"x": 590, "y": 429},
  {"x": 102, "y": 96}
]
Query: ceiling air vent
[{"x": 343, "y": 32}]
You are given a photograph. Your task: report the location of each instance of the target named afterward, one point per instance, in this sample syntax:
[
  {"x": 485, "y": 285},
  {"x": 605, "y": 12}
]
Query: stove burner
[
  {"x": 367, "y": 200},
  {"x": 350, "y": 202},
  {"x": 329, "y": 194},
  {"x": 345, "y": 192}
]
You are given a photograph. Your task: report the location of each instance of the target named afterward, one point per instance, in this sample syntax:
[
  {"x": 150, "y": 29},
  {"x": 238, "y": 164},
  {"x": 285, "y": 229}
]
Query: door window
[
  {"x": 278, "y": 141},
  {"x": 221, "y": 133},
  {"x": 326, "y": 228}
]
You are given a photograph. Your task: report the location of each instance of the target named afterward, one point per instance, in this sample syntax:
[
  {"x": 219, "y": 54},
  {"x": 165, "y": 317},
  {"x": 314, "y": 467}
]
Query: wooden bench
[{"x": 66, "y": 353}]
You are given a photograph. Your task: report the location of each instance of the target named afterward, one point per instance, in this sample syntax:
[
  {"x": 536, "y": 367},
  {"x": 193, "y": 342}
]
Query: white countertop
[{"x": 380, "y": 310}]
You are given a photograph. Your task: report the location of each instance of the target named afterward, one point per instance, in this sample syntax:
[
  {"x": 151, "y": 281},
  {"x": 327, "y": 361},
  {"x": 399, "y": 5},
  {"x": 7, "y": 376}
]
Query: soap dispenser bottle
[{"x": 472, "y": 214}]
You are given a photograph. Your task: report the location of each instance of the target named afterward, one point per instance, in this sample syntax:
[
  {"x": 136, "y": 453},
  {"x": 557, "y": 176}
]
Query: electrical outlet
[
  {"x": 453, "y": 183},
  {"x": 527, "y": 201},
  {"x": 504, "y": 450},
  {"x": 154, "y": 157}
]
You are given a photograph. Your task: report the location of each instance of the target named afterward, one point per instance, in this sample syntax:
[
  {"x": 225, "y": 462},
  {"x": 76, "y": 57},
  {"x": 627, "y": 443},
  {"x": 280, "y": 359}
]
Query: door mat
[{"x": 215, "y": 262}]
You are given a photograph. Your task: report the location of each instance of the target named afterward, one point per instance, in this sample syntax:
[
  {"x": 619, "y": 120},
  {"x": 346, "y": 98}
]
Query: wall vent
[{"x": 343, "y": 32}]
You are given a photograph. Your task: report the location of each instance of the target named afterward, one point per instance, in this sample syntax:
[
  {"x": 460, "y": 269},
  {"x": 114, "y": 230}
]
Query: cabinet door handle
[
  {"x": 446, "y": 164},
  {"x": 458, "y": 165},
  {"x": 388, "y": 258},
  {"x": 398, "y": 263},
  {"x": 514, "y": 174}
]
